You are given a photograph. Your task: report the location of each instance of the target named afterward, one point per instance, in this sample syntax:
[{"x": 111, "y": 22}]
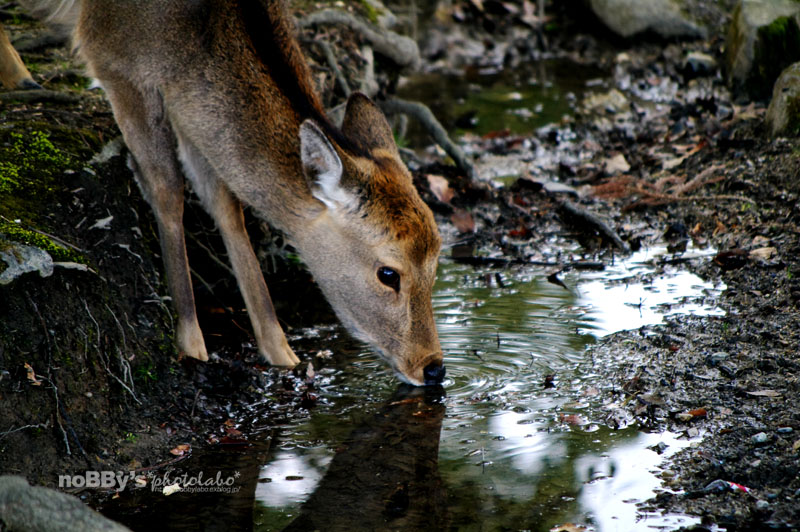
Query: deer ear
[
  {"x": 365, "y": 124},
  {"x": 322, "y": 166}
]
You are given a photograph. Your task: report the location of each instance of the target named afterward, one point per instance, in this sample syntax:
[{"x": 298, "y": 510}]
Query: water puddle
[
  {"x": 514, "y": 451},
  {"x": 515, "y": 101}
]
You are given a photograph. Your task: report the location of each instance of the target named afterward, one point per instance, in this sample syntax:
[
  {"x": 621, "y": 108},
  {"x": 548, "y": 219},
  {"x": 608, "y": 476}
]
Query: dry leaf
[
  {"x": 440, "y": 188},
  {"x": 463, "y": 221},
  {"x": 616, "y": 165},
  {"x": 764, "y": 253},
  {"x": 181, "y": 449},
  {"x": 32, "y": 375}
]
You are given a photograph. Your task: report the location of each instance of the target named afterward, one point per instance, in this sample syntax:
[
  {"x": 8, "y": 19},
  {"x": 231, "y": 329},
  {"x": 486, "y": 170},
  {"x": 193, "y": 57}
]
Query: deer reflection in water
[{"x": 386, "y": 474}]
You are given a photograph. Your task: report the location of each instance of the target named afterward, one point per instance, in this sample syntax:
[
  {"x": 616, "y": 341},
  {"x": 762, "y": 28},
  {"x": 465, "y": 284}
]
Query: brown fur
[
  {"x": 225, "y": 82},
  {"x": 13, "y": 74}
]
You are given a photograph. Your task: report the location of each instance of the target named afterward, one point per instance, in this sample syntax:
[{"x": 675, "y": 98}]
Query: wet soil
[{"x": 699, "y": 167}]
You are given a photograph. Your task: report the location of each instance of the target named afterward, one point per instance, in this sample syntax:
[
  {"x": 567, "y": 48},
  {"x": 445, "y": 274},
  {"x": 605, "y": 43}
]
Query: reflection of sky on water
[
  {"x": 505, "y": 448},
  {"x": 627, "y": 304}
]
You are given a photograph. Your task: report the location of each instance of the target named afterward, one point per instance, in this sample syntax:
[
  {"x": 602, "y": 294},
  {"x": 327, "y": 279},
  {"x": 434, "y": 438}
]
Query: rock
[
  {"x": 611, "y": 102},
  {"x": 38, "y": 509},
  {"x": 759, "y": 438},
  {"x": 763, "y": 39},
  {"x": 699, "y": 63},
  {"x": 783, "y": 114},
  {"x": 20, "y": 259},
  {"x": 630, "y": 17}
]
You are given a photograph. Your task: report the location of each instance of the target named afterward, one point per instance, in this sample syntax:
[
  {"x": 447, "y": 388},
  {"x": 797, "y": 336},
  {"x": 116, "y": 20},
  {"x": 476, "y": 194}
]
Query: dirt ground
[{"x": 698, "y": 166}]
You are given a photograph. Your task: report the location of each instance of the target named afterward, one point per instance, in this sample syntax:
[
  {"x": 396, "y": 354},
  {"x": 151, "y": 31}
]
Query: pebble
[
  {"x": 762, "y": 504},
  {"x": 668, "y": 473},
  {"x": 719, "y": 356},
  {"x": 785, "y": 430},
  {"x": 761, "y": 437}
]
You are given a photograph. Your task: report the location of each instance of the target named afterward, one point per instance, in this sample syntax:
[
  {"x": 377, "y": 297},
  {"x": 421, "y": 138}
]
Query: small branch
[
  {"x": 424, "y": 115},
  {"x": 400, "y": 49},
  {"x": 587, "y": 218},
  {"x": 36, "y": 426}
]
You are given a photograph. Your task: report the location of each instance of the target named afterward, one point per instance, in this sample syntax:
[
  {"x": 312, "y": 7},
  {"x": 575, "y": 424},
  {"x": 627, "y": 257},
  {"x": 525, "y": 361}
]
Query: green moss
[
  {"x": 14, "y": 233},
  {"x": 370, "y": 11},
  {"x": 777, "y": 46}
]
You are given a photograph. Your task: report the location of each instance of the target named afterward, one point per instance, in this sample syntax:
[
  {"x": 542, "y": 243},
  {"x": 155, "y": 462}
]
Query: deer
[{"x": 219, "y": 94}]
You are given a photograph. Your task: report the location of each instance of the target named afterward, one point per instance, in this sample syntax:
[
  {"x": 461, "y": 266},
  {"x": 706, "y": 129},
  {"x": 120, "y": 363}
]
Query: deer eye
[{"x": 389, "y": 277}]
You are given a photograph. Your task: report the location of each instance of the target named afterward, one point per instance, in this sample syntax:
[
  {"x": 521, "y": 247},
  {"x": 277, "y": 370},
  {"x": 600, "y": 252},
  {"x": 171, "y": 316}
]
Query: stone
[
  {"x": 630, "y": 17},
  {"x": 763, "y": 39},
  {"x": 20, "y": 259},
  {"x": 39, "y": 509},
  {"x": 783, "y": 114}
]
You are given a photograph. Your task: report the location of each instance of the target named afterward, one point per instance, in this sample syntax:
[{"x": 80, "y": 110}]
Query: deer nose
[{"x": 434, "y": 373}]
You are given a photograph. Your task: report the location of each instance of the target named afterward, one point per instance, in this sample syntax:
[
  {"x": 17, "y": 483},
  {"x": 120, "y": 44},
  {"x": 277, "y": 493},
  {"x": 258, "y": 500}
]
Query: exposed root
[
  {"x": 424, "y": 115},
  {"x": 400, "y": 49}
]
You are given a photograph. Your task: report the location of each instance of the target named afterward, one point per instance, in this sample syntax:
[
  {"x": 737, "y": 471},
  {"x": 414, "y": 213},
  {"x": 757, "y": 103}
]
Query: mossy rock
[
  {"x": 783, "y": 114},
  {"x": 763, "y": 39}
]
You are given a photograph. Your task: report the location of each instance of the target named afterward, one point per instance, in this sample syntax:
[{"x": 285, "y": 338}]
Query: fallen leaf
[
  {"x": 440, "y": 188},
  {"x": 572, "y": 419},
  {"x": 764, "y": 253},
  {"x": 310, "y": 372},
  {"x": 616, "y": 165},
  {"x": 765, "y": 393},
  {"x": 32, "y": 375},
  {"x": 181, "y": 449},
  {"x": 463, "y": 221},
  {"x": 233, "y": 432}
]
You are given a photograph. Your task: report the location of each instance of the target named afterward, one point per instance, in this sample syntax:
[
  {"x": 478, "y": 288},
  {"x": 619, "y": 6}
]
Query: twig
[
  {"x": 592, "y": 220},
  {"x": 36, "y": 426},
  {"x": 58, "y": 240},
  {"x": 422, "y": 113}
]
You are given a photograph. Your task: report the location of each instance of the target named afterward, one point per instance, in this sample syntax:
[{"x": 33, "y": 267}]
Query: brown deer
[{"x": 218, "y": 91}]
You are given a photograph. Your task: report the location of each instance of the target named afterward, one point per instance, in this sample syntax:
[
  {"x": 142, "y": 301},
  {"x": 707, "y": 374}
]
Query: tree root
[
  {"x": 400, "y": 49},
  {"x": 422, "y": 113}
]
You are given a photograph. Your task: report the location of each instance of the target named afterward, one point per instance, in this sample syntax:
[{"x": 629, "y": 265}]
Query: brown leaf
[
  {"x": 181, "y": 449},
  {"x": 440, "y": 188},
  {"x": 463, "y": 221},
  {"x": 32, "y": 375},
  {"x": 572, "y": 419}
]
